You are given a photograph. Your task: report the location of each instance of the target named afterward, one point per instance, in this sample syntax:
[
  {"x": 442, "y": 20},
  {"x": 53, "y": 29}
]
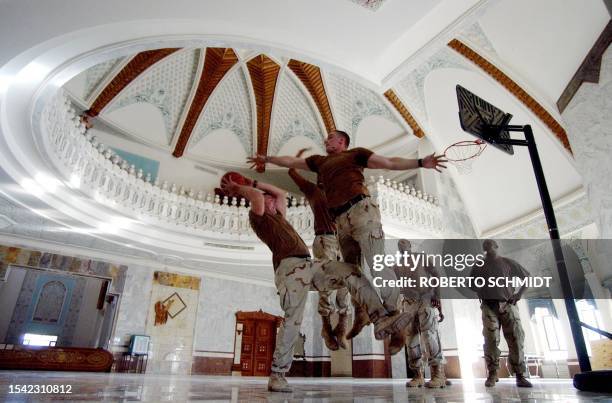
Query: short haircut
[{"x": 347, "y": 138}]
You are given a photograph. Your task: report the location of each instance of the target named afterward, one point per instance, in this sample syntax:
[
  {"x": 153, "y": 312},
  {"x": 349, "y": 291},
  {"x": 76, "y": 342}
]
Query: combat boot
[
  {"x": 438, "y": 379},
  {"x": 362, "y": 319},
  {"x": 278, "y": 383},
  {"x": 327, "y": 334},
  {"x": 340, "y": 330},
  {"x": 491, "y": 379},
  {"x": 398, "y": 340},
  {"x": 417, "y": 380},
  {"x": 522, "y": 382}
]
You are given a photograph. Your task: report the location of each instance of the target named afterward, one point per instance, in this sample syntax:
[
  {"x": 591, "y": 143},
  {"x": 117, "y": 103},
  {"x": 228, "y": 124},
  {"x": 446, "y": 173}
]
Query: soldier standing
[
  {"x": 422, "y": 305},
  {"x": 295, "y": 274},
  {"x": 498, "y": 306}
]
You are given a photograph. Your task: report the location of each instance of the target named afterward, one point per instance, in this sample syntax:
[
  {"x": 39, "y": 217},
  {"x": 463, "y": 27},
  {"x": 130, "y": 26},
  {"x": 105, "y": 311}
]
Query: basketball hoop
[{"x": 462, "y": 153}]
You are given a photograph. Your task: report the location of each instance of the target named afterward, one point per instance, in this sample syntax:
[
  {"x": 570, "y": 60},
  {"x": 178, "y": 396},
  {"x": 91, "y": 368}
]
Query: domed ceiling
[{"x": 220, "y": 105}]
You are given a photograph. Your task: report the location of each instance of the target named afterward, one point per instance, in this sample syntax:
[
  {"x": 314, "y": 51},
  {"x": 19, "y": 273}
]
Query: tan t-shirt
[
  {"x": 323, "y": 221},
  {"x": 498, "y": 267},
  {"x": 341, "y": 174},
  {"x": 276, "y": 232}
]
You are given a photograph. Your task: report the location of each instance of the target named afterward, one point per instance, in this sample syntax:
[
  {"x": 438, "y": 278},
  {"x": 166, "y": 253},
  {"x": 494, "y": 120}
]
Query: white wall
[{"x": 589, "y": 121}]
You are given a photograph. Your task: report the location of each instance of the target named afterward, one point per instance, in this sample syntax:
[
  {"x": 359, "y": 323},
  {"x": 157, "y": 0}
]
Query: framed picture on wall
[
  {"x": 174, "y": 304},
  {"x": 139, "y": 344}
]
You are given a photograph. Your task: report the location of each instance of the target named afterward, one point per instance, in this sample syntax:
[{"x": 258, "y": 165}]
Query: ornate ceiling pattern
[
  {"x": 166, "y": 85},
  {"x": 514, "y": 89},
  {"x": 412, "y": 87},
  {"x": 228, "y": 108},
  {"x": 96, "y": 75},
  {"x": 353, "y": 103},
  {"x": 310, "y": 76},
  {"x": 139, "y": 63},
  {"x": 293, "y": 116},
  {"x": 217, "y": 62},
  {"x": 403, "y": 111},
  {"x": 264, "y": 75}
]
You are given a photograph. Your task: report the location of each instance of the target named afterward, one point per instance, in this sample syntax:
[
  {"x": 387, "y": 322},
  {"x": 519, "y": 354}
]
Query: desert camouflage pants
[
  {"x": 361, "y": 237},
  {"x": 294, "y": 277},
  {"x": 424, "y": 322},
  {"x": 506, "y": 317},
  {"x": 325, "y": 247}
]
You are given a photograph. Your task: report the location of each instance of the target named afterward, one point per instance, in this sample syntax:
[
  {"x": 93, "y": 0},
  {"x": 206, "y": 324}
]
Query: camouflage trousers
[
  {"x": 294, "y": 277},
  {"x": 326, "y": 247},
  {"x": 424, "y": 326},
  {"x": 361, "y": 237},
  {"x": 507, "y": 317}
]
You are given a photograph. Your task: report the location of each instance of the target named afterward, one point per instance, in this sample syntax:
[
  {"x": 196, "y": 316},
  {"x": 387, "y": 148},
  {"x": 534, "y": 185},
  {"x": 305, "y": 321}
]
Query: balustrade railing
[{"x": 97, "y": 171}]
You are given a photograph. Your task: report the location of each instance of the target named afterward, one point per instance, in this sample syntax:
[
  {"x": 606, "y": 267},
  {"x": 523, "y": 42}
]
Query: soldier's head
[
  {"x": 490, "y": 247},
  {"x": 269, "y": 203},
  {"x": 404, "y": 245},
  {"x": 337, "y": 141}
]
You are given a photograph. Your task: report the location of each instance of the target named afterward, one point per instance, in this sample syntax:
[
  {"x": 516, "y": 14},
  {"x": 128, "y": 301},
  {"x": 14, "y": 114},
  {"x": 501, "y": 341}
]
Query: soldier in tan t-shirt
[
  {"x": 498, "y": 306},
  {"x": 356, "y": 215},
  {"x": 295, "y": 274},
  {"x": 325, "y": 246}
]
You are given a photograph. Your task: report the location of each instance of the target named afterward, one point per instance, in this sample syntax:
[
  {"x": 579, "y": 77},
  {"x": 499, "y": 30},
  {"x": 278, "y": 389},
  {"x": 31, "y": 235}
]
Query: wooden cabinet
[{"x": 256, "y": 335}]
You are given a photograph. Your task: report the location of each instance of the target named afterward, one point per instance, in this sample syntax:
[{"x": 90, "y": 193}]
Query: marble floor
[{"x": 160, "y": 388}]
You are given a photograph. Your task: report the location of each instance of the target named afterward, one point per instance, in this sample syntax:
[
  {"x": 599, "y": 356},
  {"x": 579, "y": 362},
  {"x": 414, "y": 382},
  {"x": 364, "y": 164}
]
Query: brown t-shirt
[
  {"x": 276, "y": 232},
  {"x": 323, "y": 221},
  {"x": 498, "y": 267},
  {"x": 341, "y": 174}
]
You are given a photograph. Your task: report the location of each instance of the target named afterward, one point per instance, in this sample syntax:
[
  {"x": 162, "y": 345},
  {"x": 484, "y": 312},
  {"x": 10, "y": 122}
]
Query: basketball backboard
[{"x": 483, "y": 120}]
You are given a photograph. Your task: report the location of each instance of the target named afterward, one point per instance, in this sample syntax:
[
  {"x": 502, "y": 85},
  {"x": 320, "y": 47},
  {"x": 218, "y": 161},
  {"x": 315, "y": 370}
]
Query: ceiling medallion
[{"x": 372, "y": 5}]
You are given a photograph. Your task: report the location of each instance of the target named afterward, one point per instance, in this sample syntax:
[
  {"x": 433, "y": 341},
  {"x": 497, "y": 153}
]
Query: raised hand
[
  {"x": 435, "y": 162},
  {"x": 257, "y": 162},
  {"x": 229, "y": 186}
]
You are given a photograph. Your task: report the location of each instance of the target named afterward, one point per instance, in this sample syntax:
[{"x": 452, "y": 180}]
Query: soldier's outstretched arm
[
  {"x": 281, "y": 161},
  {"x": 432, "y": 161}
]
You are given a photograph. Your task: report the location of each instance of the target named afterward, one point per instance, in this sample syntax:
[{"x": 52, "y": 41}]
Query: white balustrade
[{"x": 101, "y": 174}]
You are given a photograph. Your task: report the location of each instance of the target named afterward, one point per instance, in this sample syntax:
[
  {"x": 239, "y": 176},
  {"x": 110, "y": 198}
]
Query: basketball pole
[{"x": 553, "y": 230}]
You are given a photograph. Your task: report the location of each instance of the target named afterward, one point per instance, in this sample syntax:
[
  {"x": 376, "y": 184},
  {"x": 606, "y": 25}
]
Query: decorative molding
[
  {"x": 412, "y": 86},
  {"x": 264, "y": 75},
  {"x": 514, "y": 89},
  {"x": 372, "y": 5},
  {"x": 96, "y": 75},
  {"x": 217, "y": 62},
  {"x": 133, "y": 69},
  {"x": 353, "y": 102},
  {"x": 293, "y": 115},
  {"x": 166, "y": 85},
  {"x": 589, "y": 69},
  {"x": 310, "y": 76},
  {"x": 573, "y": 213},
  {"x": 229, "y": 107},
  {"x": 406, "y": 115}
]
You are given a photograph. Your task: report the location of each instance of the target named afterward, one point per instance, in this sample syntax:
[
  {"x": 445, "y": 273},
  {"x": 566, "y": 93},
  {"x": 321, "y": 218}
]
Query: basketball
[{"x": 236, "y": 178}]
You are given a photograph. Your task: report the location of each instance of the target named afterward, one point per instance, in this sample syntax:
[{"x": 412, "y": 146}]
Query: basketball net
[{"x": 462, "y": 154}]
